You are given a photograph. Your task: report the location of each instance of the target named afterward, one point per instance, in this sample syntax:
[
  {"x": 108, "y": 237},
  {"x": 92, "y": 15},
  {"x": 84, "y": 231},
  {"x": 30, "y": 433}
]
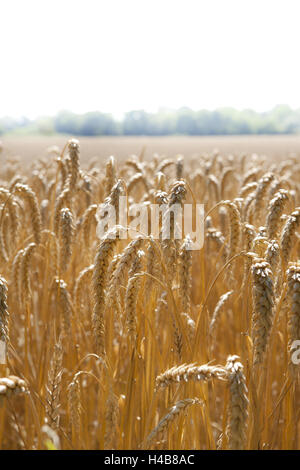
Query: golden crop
[{"x": 127, "y": 344}]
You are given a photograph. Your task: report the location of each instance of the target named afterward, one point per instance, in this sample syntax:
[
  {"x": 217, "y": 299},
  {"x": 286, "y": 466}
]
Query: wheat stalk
[
  {"x": 263, "y": 302},
  {"x": 238, "y": 404}
]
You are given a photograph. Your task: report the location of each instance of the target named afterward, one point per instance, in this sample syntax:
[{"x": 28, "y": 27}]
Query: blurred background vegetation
[{"x": 184, "y": 121}]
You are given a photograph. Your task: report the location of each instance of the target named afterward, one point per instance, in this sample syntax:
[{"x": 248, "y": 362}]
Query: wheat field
[{"x": 145, "y": 344}]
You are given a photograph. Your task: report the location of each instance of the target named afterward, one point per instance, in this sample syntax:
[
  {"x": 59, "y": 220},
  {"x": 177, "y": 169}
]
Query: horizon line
[{"x": 119, "y": 116}]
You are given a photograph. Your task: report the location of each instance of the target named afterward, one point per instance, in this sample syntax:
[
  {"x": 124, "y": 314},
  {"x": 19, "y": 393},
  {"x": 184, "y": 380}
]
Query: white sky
[{"x": 118, "y": 55}]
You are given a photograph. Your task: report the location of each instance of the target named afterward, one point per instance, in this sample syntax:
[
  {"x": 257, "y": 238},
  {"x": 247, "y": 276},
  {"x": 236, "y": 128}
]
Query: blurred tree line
[{"x": 184, "y": 121}]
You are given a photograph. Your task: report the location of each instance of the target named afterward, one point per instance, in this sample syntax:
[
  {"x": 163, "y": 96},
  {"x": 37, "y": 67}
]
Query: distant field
[{"x": 121, "y": 147}]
